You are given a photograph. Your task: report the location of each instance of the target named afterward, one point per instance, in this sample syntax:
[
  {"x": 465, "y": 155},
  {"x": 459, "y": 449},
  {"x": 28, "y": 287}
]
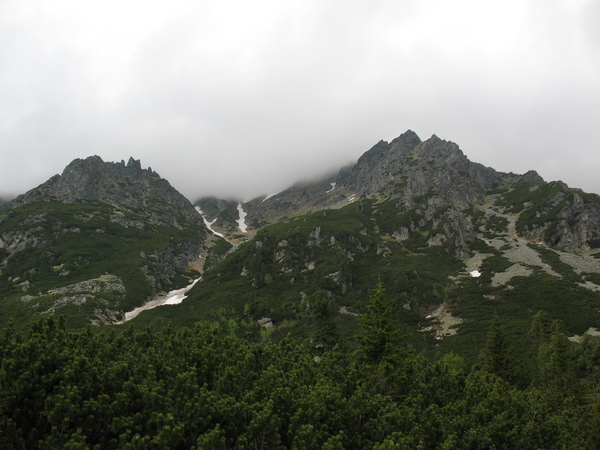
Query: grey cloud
[{"x": 243, "y": 104}]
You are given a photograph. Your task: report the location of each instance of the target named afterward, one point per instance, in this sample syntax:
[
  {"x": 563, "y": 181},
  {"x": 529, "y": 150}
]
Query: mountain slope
[
  {"x": 423, "y": 177},
  {"x": 125, "y": 186},
  {"x": 440, "y": 299},
  {"x": 453, "y": 241},
  {"x": 95, "y": 242}
]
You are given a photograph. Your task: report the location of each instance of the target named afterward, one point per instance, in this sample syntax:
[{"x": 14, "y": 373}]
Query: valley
[
  {"x": 414, "y": 297},
  {"x": 417, "y": 215}
]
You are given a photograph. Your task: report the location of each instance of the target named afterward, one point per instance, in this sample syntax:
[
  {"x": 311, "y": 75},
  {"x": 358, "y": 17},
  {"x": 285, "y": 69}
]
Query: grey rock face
[
  {"x": 224, "y": 211},
  {"x": 533, "y": 176},
  {"x": 407, "y": 168},
  {"x": 163, "y": 265},
  {"x": 126, "y": 186},
  {"x": 423, "y": 177},
  {"x": 566, "y": 221},
  {"x": 408, "y": 171}
]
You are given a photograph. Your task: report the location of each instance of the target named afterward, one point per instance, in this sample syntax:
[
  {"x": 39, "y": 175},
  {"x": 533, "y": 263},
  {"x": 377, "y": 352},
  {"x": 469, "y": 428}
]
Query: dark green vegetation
[
  {"x": 340, "y": 252},
  {"x": 57, "y": 245},
  {"x": 207, "y": 387},
  {"x": 283, "y": 343},
  {"x": 344, "y": 252}
]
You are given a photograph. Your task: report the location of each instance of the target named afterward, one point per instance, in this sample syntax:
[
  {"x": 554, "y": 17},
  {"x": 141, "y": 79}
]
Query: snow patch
[
  {"x": 172, "y": 298},
  {"x": 269, "y": 196},
  {"x": 352, "y": 198},
  {"x": 332, "y": 188},
  {"x": 475, "y": 273},
  {"x": 209, "y": 224},
  {"x": 242, "y": 220}
]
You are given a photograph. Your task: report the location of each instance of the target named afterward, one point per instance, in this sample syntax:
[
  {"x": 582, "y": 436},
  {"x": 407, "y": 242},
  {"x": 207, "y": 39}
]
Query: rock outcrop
[
  {"x": 223, "y": 214},
  {"x": 408, "y": 168},
  {"x": 98, "y": 218},
  {"x": 126, "y": 186},
  {"x": 435, "y": 188},
  {"x": 420, "y": 177},
  {"x": 568, "y": 219}
]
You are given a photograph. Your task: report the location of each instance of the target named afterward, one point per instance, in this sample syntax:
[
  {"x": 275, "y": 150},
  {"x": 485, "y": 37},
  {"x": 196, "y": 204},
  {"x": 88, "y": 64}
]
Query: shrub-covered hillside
[
  {"x": 206, "y": 387},
  {"x": 88, "y": 261}
]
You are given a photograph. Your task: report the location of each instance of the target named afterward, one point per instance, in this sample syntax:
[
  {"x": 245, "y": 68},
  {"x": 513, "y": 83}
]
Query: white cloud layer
[{"x": 241, "y": 98}]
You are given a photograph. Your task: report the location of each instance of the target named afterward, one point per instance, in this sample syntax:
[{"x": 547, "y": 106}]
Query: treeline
[{"x": 205, "y": 387}]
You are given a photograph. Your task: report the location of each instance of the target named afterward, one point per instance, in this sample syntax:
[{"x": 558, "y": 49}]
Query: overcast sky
[{"x": 239, "y": 98}]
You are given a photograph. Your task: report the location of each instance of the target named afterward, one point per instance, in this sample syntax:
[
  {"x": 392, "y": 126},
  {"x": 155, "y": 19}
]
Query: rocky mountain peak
[
  {"x": 533, "y": 176},
  {"x": 135, "y": 166},
  {"x": 408, "y": 167},
  {"x": 433, "y": 186},
  {"x": 137, "y": 234},
  {"x": 126, "y": 186},
  {"x": 441, "y": 150},
  {"x": 402, "y": 144},
  {"x": 407, "y": 139}
]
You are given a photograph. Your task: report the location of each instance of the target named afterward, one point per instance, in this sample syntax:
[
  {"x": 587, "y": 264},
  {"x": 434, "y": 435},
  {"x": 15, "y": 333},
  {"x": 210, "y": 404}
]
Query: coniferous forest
[{"x": 216, "y": 385}]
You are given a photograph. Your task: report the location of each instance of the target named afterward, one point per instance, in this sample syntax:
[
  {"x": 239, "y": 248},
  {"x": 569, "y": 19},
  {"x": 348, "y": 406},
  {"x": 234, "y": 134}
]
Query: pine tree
[
  {"x": 379, "y": 334},
  {"x": 381, "y": 354},
  {"x": 540, "y": 335},
  {"x": 557, "y": 361},
  {"x": 497, "y": 354},
  {"x": 322, "y": 308},
  {"x": 540, "y": 329}
]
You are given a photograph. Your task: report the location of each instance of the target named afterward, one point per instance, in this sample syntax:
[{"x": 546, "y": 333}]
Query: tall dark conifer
[
  {"x": 379, "y": 335},
  {"x": 540, "y": 335},
  {"x": 322, "y": 308},
  {"x": 497, "y": 355}
]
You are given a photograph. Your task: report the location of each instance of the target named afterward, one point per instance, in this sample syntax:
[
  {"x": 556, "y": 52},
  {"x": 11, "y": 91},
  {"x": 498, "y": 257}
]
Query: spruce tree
[
  {"x": 557, "y": 361},
  {"x": 323, "y": 310},
  {"x": 539, "y": 334},
  {"x": 379, "y": 334},
  {"x": 497, "y": 355}
]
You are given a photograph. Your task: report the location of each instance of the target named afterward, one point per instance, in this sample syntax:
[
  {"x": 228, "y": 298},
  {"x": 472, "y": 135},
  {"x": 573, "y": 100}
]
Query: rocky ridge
[
  {"x": 62, "y": 235},
  {"x": 399, "y": 200},
  {"x": 402, "y": 202},
  {"x": 434, "y": 183},
  {"x": 125, "y": 186}
]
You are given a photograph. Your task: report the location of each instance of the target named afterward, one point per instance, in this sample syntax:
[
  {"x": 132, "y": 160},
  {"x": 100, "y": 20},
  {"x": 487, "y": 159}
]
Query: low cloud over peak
[{"x": 234, "y": 99}]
